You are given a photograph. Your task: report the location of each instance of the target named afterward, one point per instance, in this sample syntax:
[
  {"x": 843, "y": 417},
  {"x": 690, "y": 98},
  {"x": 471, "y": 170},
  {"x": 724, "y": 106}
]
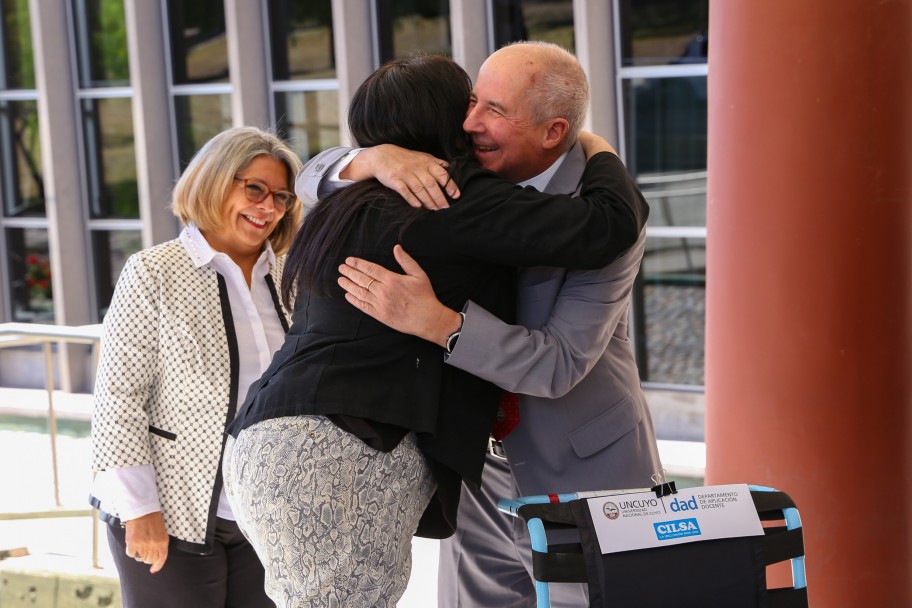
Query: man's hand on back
[{"x": 404, "y": 302}]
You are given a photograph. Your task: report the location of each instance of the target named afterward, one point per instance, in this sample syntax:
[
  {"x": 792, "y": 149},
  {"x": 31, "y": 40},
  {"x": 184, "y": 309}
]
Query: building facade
[{"x": 103, "y": 102}]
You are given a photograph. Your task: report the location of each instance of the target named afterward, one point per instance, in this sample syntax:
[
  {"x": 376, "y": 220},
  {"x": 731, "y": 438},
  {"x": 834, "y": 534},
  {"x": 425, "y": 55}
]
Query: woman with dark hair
[{"x": 357, "y": 437}]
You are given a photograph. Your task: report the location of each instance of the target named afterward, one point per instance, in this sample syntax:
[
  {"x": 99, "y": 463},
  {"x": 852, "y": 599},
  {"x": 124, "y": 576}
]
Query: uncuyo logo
[{"x": 611, "y": 510}]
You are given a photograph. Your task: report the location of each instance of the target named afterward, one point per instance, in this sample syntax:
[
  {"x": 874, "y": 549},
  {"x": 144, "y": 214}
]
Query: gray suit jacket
[{"x": 584, "y": 422}]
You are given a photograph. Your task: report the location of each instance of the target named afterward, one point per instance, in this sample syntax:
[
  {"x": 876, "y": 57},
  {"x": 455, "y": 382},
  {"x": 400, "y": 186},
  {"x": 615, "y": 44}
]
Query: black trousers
[{"x": 229, "y": 577}]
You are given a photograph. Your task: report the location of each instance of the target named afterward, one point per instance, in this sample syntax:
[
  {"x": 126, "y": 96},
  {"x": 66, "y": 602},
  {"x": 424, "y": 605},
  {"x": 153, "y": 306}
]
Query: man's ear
[{"x": 555, "y": 131}]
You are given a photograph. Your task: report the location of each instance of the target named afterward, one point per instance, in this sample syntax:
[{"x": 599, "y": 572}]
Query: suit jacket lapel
[
  {"x": 539, "y": 286},
  {"x": 567, "y": 178}
]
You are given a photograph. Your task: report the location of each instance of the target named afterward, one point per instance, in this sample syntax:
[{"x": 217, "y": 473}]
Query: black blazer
[{"x": 338, "y": 361}]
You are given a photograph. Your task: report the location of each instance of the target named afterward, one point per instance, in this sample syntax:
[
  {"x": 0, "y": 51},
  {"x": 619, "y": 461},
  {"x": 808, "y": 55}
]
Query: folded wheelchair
[{"x": 723, "y": 572}]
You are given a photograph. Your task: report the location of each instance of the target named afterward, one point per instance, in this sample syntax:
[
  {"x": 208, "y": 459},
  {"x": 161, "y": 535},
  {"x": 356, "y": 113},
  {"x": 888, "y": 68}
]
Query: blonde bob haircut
[{"x": 202, "y": 189}]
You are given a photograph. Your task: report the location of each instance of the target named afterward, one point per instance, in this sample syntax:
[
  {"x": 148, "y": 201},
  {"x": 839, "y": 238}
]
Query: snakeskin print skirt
[{"x": 331, "y": 518}]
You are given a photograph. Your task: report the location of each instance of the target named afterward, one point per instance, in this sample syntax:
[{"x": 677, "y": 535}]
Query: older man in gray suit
[{"x": 583, "y": 419}]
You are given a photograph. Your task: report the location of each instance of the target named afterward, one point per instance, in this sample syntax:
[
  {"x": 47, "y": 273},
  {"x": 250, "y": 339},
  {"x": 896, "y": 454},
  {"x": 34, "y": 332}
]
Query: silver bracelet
[{"x": 451, "y": 339}]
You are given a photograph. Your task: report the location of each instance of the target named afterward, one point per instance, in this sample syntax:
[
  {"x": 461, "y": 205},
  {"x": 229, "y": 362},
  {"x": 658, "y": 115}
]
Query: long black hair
[{"x": 417, "y": 103}]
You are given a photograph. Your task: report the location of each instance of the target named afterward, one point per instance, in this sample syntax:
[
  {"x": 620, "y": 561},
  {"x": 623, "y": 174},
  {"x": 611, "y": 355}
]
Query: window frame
[{"x": 622, "y": 74}]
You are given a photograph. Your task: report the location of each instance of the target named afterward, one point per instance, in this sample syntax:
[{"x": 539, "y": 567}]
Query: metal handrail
[
  {"x": 29, "y": 334},
  {"x": 670, "y": 177}
]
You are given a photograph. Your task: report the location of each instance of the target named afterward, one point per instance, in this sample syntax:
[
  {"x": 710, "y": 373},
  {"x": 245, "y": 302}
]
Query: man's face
[{"x": 506, "y": 139}]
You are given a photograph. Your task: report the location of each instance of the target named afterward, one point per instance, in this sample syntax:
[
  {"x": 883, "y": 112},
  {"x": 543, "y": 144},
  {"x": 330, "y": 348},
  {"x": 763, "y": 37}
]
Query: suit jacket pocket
[
  {"x": 605, "y": 429},
  {"x": 162, "y": 433}
]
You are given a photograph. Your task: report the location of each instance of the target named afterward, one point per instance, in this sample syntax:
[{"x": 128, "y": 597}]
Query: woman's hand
[
  {"x": 421, "y": 179},
  {"x": 593, "y": 144},
  {"x": 147, "y": 540}
]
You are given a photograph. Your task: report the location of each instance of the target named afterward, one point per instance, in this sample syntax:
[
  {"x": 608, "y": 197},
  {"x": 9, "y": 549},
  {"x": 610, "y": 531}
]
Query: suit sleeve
[
  {"x": 548, "y": 362},
  {"x": 311, "y": 183}
]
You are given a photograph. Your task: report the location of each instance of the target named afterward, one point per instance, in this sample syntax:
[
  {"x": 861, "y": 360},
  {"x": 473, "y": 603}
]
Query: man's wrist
[
  {"x": 450, "y": 343},
  {"x": 449, "y": 323}
]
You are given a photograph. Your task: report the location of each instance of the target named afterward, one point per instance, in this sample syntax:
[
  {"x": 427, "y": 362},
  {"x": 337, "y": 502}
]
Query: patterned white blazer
[{"x": 167, "y": 385}]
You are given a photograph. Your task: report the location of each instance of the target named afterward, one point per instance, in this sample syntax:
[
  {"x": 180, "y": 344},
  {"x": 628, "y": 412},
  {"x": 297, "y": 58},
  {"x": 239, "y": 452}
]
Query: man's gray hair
[{"x": 561, "y": 88}]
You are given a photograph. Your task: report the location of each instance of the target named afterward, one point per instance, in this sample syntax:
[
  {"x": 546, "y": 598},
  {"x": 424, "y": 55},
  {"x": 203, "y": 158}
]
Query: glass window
[
  {"x": 676, "y": 198},
  {"x": 661, "y": 32},
  {"x": 199, "y": 44},
  {"x": 110, "y": 158},
  {"x": 665, "y": 121},
  {"x": 672, "y": 298},
  {"x": 22, "y": 178},
  {"x": 30, "y": 274},
  {"x": 543, "y": 20},
  {"x": 111, "y": 250},
  {"x": 406, "y": 26},
  {"x": 101, "y": 43},
  {"x": 665, "y": 146},
  {"x": 308, "y": 120},
  {"x": 17, "y": 70},
  {"x": 302, "y": 39},
  {"x": 199, "y": 119}
]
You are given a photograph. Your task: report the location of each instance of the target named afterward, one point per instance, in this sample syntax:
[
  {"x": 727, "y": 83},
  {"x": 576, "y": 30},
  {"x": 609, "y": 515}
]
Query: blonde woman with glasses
[{"x": 193, "y": 322}]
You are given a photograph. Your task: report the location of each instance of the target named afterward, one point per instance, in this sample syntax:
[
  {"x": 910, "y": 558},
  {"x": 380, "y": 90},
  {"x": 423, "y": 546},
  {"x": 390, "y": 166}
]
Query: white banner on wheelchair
[{"x": 641, "y": 520}]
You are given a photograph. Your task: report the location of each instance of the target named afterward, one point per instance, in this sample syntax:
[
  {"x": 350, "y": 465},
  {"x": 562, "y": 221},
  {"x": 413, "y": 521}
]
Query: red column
[{"x": 809, "y": 278}]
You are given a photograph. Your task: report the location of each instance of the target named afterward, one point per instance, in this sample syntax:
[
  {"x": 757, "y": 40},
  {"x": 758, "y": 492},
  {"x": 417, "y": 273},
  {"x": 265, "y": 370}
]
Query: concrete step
[{"x": 56, "y": 581}]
